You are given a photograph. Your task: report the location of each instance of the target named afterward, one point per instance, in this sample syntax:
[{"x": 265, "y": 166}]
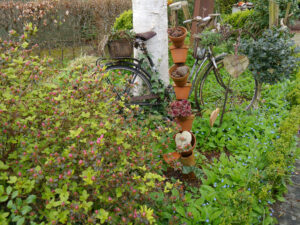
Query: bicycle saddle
[{"x": 146, "y": 35}]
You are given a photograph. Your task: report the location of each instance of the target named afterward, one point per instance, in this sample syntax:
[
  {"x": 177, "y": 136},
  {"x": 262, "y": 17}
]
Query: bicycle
[
  {"x": 212, "y": 85},
  {"x": 135, "y": 86}
]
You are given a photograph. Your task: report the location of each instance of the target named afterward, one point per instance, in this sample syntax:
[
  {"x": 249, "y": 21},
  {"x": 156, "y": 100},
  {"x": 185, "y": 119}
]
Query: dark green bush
[{"x": 271, "y": 56}]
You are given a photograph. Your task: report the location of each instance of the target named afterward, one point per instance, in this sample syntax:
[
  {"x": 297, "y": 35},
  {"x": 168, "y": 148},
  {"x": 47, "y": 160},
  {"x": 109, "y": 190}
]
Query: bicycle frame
[{"x": 208, "y": 57}]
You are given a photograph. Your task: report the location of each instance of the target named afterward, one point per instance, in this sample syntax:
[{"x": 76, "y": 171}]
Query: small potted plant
[
  {"x": 120, "y": 42},
  {"x": 179, "y": 74},
  {"x": 185, "y": 144},
  {"x": 177, "y": 36},
  {"x": 182, "y": 111}
]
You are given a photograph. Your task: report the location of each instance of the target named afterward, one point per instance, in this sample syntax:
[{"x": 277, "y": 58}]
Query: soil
[
  {"x": 181, "y": 71},
  {"x": 190, "y": 179},
  {"x": 175, "y": 32},
  {"x": 214, "y": 154}
]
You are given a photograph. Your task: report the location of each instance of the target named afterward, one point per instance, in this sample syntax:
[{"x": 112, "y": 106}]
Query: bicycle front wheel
[
  {"x": 129, "y": 84},
  {"x": 210, "y": 88}
]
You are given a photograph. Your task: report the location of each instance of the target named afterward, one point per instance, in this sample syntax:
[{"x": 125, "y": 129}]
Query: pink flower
[
  {"x": 99, "y": 139},
  {"x": 50, "y": 180},
  {"x": 80, "y": 162},
  {"x": 70, "y": 155}
]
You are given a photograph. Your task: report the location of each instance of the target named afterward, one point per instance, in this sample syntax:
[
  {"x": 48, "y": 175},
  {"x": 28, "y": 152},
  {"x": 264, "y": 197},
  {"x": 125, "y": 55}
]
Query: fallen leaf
[{"x": 214, "y": 116}]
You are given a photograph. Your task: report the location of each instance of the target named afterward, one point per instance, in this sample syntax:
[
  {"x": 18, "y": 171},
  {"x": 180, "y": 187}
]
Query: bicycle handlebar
[{"x": 199, "y": 19}]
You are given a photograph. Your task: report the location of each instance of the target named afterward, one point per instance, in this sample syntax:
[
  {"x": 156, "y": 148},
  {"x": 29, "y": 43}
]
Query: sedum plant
[{"x": 180, "y": 108}]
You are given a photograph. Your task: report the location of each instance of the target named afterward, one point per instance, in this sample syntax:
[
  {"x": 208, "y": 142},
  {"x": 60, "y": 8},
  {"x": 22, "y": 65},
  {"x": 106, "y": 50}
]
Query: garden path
[{"x": 288, "y": 212}]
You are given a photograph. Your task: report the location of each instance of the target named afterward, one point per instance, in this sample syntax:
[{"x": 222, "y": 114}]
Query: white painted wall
[{"x": 152, "y": 15}]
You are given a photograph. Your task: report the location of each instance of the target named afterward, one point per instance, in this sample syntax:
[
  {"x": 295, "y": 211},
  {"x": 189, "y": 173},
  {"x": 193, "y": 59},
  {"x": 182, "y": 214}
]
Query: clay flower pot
[
  {"x": 171, "y": 158},
  {"x": 191, "y": 149},
  {"x": 179, "y": 41},
  {"x": 189, "y": 160},
  {"x": 185, "y": 123},
  {"x": 182, "y": 92},
  {"x": 179, "y": 55},
  {"x": 179, "y": 81}
]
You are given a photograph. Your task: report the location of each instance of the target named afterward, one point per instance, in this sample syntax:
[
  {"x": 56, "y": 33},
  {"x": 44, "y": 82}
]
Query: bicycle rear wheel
[
  {"x": 129, "y": 84},
  {"x": 210, "y": 92}
]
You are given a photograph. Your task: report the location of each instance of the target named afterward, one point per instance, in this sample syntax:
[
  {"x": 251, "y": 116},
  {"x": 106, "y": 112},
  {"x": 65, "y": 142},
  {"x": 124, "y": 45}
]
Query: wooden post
[
  {"x": 274, "y": 13},
  {"x": 201, "y": 8}
]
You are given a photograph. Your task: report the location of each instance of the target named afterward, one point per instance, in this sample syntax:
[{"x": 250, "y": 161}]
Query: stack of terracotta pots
[{"x": 182, "y": 89}]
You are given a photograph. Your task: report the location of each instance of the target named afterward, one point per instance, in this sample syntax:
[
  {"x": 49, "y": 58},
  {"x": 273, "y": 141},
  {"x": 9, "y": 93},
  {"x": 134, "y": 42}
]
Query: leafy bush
[
  {"x": 271, "y": 56},
  {"x": 225, "y": 6},
  {"x": 124, "y": 21},
  {"x": 67, "y": 156},
  {"x": 61, "y": 23},
  {"x": 242, "y": 19},
  {"x": 294, "y": 95},
  {"x": 261, "y": 8}
]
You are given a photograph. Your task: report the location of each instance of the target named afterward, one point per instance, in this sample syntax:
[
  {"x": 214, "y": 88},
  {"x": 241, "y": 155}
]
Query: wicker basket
[{"x": 120, "y": 48}]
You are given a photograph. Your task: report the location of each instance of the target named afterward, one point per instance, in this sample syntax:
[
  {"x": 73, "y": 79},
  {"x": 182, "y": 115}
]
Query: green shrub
[
  {"x": 240, "y": 19},
  {"x": 294, "y": 95},
  {"x": 67, "y": 155},
  {"x": 225, "y": 6},
  {"x": 124, "y": 21},
  {"x": 271, "y": 56}
]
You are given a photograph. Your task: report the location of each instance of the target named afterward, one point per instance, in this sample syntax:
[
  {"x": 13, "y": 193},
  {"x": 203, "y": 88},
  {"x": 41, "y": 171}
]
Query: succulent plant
[
  {"x": 180, "y": 108},
  {"x": 183, "y": 140},
  {"x": 181, "y": 71}
]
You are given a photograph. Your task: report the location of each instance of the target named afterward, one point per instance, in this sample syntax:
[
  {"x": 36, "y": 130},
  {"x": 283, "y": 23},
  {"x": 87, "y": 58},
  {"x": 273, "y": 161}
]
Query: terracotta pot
[
  {"x": 179, "y": 41},
  {"x": 181, "y": 81},
  {"x": 189, "y": 160},
  {"x": 179, "y": 55},
  {"x": 171, "y": 158},
  {"x": 185, "y": 123},
  {"x": 182, "y": 92},
  {"x": 190, "y": 151}
]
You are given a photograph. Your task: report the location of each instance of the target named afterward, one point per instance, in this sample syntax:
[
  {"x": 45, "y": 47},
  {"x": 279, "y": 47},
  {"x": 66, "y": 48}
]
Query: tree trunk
[
  {"x": 256, "y": 97},
  {"x": 153, "y": 16}
]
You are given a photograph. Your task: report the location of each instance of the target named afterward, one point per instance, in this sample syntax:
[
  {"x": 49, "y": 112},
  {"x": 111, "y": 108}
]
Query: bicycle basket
[
  {"x": 120, "y": 48},
  {"x": 199, "y": 51}
]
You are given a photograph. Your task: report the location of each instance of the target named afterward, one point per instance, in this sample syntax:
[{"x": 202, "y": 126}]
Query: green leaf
[
  {"x": 119, "y": 192},
  {"x": 280, "y": 198},
  {"x": 25, "y": 44},
  {"x": 12, "y": 179},
  {"x": 26, "y": 209},
  {"x": 181, "y": 211},
  {"x": 1, "y": 190},
  {"x": 8, "y": 190},
  {"x": 30, "y": 199},
  {"x": 14, "y": 194},
  {"x": 3, "y": 166},
  {"x": 10, "y": 204},
  {"x": 21, "y": 221},
  {"x": 3, "y": 198}
]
